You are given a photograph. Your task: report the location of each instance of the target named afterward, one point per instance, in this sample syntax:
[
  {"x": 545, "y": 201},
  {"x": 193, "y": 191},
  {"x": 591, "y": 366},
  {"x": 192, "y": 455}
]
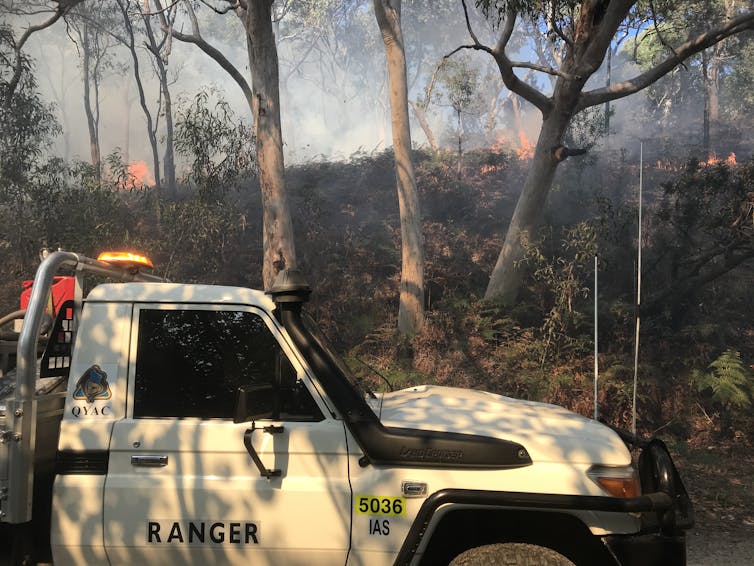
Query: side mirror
[{"x": 254, "y": 402}]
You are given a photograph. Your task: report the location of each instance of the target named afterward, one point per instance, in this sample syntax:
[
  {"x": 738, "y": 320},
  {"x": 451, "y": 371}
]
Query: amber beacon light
[{"x": 127, "y": 260}]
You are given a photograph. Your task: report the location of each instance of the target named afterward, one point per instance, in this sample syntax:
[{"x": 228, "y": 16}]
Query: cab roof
[{"x": 178, "y": 293}]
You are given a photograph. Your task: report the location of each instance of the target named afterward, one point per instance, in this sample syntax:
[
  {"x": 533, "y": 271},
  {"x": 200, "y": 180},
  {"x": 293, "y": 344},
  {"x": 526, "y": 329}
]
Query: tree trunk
[
  {"x": 459, "y": 133},
  {"x": 426, "y": 128},
  {"x": 706, "y": 112},
  {"x": 518, "y": 122},
  {"x": 508, "y": 273},
  {"x": 168, "y": 160},
  {"x": 411, "y": 308},
  {"x": 91, "y": 121},
  {"x": 140, "y": 87},
  {"x": 279, "y": 249},
  {"x": 127, "y": 125},
  {"x": 608, "y": 80}
]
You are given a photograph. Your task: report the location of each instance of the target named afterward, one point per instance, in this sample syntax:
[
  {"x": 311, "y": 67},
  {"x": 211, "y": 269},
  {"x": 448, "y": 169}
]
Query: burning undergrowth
[
  {"x": 542, "y": 348},
  {"x": 698, "y": 224}
]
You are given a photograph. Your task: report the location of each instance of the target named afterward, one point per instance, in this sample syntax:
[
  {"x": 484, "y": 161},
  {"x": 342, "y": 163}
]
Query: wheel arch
[{"x": 459, "y": 529}]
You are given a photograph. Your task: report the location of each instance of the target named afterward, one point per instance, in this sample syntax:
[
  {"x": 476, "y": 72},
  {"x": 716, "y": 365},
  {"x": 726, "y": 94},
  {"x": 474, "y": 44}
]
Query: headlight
[{"x": 618, "y": 481}]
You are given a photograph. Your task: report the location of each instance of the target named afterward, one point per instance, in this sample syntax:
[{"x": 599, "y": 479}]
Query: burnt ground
[{"x": 720, "y": 481}]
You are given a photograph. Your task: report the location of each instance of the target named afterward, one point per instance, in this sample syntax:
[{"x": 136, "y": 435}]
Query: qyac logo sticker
[{"x": 93, "y": 386}]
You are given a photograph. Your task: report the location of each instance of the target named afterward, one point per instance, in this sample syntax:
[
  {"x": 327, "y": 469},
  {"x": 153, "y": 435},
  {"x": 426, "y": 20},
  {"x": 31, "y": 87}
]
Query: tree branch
[
  {"x": 504, "y": 64},
  {"x": 62, "y": 9},
  {"x": 660, "y": 36},
  {"x": 553, "y": 24},
  {"x": 561, "y": 153},
  {"x": 197, "y": 39},
  {"x": 684, "y": 51},
  {"x": 222, "y": 11},
  {"x": 431, "y": 85},
  {"x": 524, "y": 90},
  {"x": 165, "y": 9},
  {"x": 544, "y": 69},
  {"x": 508, "y": 26},
  {"x": 468, "y": 24},
  {"x": 696, "y": 282}
]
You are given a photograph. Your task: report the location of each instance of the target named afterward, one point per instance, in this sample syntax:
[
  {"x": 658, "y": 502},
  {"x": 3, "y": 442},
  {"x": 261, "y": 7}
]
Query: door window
[{"x": 196, "y": 363}]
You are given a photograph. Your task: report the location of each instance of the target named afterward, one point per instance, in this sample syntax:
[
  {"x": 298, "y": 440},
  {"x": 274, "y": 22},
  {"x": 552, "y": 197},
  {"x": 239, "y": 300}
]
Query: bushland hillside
[{"x": 695, "y": 380}]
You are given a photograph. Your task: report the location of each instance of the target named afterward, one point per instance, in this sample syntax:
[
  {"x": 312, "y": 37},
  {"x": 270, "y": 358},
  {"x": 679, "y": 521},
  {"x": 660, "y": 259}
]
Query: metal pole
[
  {"x": 607, "y": 84},
  {"x": 638, "y": 290},
  {"x": 596, "y": 343}
]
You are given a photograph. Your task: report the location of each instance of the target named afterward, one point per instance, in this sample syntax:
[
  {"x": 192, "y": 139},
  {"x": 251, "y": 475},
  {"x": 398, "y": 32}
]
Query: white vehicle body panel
[
  {"x": 550, "y": 433},
  {"x": 153, "y": 515},
  {"x": 76, "y": 530},
  {"x": 301, "y": 517}
]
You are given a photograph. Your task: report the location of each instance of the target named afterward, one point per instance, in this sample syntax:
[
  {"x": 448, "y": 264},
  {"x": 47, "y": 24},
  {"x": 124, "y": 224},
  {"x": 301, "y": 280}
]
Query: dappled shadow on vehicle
[{"x": 186, "y": 490}]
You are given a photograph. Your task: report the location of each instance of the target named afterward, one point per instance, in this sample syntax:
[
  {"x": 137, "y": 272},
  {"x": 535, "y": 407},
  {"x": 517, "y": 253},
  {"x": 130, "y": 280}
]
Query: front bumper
[
  {"x": 665, "y": 509},
  {"x": 662, "y": 540}
]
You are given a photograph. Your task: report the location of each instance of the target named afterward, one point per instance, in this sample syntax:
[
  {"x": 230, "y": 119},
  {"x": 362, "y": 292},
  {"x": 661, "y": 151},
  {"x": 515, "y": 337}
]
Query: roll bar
[{"x": 21, "y": 411}]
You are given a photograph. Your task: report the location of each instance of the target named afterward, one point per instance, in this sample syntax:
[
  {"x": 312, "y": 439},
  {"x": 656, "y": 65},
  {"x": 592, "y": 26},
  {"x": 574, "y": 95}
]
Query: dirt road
[{"x": 712, "y": 548}]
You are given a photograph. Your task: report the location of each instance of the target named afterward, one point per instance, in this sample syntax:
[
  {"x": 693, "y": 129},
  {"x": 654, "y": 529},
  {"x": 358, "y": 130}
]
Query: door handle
[
  {"x": 149, "y": 461},
  {"x": 263, "y": 471}
]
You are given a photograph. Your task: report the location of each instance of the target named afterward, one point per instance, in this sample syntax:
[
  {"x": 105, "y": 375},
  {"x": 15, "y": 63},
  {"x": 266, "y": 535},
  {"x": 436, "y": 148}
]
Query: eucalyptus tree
[
  {"x": 700, "y": 80},
  {"x": 87, "y": 25},
  {"x": 128, "y": 37},
  {"x": 586, "y": 29},
  {"x": 158, "y": 45},
  {"x": 411, "y": 307},
  {"x": 263, "y": 97}
]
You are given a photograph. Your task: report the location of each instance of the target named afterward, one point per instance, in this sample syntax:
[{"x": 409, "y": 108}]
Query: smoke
[
  {"x": 333, "y": 89},
  {"x": 333, "y": 85}
]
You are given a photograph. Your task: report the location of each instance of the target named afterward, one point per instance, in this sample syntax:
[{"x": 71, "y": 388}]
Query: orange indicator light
[{"x": 125, "y": 259}]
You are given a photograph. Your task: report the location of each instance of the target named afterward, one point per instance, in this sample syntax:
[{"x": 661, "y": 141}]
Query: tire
[{"x": 510, "y": 554}]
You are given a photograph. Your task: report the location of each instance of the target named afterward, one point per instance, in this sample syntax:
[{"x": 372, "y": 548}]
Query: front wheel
[{"x": 510, "y": 554}]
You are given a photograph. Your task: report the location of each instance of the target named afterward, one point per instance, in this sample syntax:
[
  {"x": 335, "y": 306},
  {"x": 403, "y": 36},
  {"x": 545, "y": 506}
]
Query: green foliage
[
  {"x": 496, "y": 9},
  {"x": 119, "y": 173},
  {"x": 461, "y": 81},
  {"x": 27, "y": 124},
  {"x": 563, "y": 280},
  {"x": 540, "y": 350},
  {"x": 198, "y": 238},
  {"x": 738, "y": 97},
  {"x": 586, "y": 128},
  {"x": 219, "y": 145},
  {"x": 493, "y": 325},
  {"x": 62, "y": 205},
  {"x": 45, "y": 203},
  {"x": 678, "y": 99},
  {"x": 729, "y": 381},
  {"x": 704, "y": 229}
]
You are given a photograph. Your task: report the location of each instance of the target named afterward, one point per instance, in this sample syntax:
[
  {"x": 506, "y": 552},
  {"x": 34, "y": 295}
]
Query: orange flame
[
  {"x": 525, "y": 148},
  {"x": 713, "y": 160},
  {"x": 526, "y": 151},
  {"x": 499, "y": 145},
  {"x": 141, "y": 176},
  {"x": 667, "y": 165}
]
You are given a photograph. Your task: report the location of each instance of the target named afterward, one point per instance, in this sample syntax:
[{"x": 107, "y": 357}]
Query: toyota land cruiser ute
[{"x": 164, "y": 423}]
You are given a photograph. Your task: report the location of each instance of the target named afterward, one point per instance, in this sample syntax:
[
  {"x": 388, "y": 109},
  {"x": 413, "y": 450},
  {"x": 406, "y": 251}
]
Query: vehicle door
[{"x": 182, "y": 487}]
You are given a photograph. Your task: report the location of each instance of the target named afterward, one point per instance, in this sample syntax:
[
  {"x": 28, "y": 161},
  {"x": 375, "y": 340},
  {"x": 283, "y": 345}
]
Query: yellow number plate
[{"x": 380, "y": 505}]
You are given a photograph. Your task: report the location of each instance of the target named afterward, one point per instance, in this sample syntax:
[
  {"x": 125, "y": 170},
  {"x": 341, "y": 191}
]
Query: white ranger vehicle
[{"x": 195, "y": 424}]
